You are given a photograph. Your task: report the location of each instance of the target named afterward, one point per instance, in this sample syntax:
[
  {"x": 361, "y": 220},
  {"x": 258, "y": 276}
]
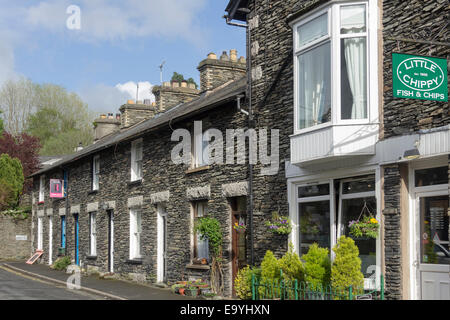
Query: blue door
[
  {"x": 77, "y": 227},
  {"x": 63, "y": 231}
]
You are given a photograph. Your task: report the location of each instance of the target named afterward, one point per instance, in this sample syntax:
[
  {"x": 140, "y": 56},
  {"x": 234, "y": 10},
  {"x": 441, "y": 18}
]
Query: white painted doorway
[
  {"x": 161, "y": 244},
  {"x": 50, "y": 240},
  {"x": 430, "y": 232},
  {"x": 111, "y": 241}
]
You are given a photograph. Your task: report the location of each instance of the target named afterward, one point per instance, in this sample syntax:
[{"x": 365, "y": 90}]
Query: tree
[
  {"x": 179, "y": 77},
  {"x": 17, "y": 100},
  {"x": 23, "y": 147},
  {"x": 11, "y": 181},
  {"x": 1, "y": 122},
  {"x": 61, "y": 122}
]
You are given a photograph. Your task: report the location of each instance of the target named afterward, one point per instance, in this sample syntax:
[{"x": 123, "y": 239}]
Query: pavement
[{"x": 92, "y": 287}]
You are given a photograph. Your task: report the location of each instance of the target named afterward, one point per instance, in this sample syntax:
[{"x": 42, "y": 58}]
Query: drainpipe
[{"x": 250, "y": 125}]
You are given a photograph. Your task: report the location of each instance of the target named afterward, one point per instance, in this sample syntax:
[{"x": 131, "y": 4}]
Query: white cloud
[
  {"x": 145, "y": 90},
  {"x": 104, "y": 20},
  {"x": 102, "y": 98}
]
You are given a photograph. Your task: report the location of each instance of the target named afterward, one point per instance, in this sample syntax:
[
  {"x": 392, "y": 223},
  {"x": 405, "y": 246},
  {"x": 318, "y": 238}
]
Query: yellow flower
[{"x": 373, "y": 220}]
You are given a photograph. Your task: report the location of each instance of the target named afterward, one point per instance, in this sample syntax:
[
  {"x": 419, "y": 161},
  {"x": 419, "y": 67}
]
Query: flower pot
[{"x": 181, "y": 291}]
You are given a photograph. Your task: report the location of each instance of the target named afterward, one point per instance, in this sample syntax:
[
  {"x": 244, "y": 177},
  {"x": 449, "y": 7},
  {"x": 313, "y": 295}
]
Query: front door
[
  {"x": 238, "y": 243},
  {"x": 111, "y": 241},
  {"x": 77, "y": 227},
  {"x": 434, "y": 255},
  {"x": 162, "y": 244}
]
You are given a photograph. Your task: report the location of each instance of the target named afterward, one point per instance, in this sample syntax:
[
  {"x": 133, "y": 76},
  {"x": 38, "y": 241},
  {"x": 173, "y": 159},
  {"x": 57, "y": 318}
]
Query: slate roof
[{"x": 207, "y": 100}]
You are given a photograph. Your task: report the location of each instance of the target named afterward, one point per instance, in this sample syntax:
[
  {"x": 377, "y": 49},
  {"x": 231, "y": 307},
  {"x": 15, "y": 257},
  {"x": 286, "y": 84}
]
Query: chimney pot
[
  {"x": 184, "y": 84},
  {"x": 175, "y": 84},
  {"x": 103, "y": 116},
  {"x": 191, "y": 85},
  {"x": 233, "y": 55},
  {"x": 166, "y": 84},
  {"x": 212, "y": 56},
  {"x": 241, "y": 60},
  {"x": 130, "y": 101},
  {"x": 139, "y": 102},
  {"x": 224, "y": 56}
]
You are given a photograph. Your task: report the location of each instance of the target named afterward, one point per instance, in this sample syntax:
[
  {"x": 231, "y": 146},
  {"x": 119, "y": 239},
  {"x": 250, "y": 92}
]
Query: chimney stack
[
  {"x": 215, "y": 72},
  {"x": 173, "y": 93},
  {"x": 132, "y": 113},
  {"x": 105, "y": 125}
]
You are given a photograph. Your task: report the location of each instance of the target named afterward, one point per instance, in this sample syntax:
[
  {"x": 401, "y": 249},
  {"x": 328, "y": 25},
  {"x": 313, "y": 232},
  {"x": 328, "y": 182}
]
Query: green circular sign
[{"x": 420, "y": 73}]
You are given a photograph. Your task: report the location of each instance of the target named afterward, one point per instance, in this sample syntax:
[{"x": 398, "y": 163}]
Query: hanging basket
[{"x": 365, "y": 227}]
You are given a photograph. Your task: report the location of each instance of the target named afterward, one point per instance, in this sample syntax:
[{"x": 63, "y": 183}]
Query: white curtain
[
  {"x": 314, "y": 85},
  {"x": 355, "y": 57},
  {"x": 202, "y": 245}
]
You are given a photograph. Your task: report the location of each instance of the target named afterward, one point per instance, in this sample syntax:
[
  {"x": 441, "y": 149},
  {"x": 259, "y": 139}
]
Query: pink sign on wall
[{"x": 56, "y": 188}]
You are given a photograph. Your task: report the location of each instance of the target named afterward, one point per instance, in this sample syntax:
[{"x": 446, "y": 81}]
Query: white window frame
[
  {"x": 330, "y": 177},
  {"x": 137, "y": 149},
  {"x": 95, "y": 172},
  {"x": 194, "y": 216},
  {"x": 198, "y": 151},
  {"x": 41, "y": 188},
  {"x": 333, "y": 10},
  {"x": 135, "y": 234},
  {"x": 93, "y": 233}
]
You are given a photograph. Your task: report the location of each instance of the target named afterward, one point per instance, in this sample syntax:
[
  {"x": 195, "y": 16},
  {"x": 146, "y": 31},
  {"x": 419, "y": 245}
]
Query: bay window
[{"x": 331, "y": 61}]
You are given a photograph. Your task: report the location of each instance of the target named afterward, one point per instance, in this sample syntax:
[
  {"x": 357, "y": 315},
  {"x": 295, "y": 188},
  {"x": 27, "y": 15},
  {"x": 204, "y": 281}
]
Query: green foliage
[
  {"x": 367, "y": 227},
  {"x": 62, "y": 263},
  {"x": 317, "y": 266},
  {"x": 291, "y": 265},
  {"x": 179, "y": 77},
  {"x": 17, "y": 214},
  {"x": 243, "y": 282},
  {"x": 346, "y": 268},
  {"x": 209, "y": 228},
  {"x": 61, "y": 122},
  {"x": 11, "y": 181},
  {"x": 279, "y": 224}
]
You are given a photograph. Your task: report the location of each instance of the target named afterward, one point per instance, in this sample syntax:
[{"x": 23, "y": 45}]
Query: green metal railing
[{"x": 282, "y": 289}]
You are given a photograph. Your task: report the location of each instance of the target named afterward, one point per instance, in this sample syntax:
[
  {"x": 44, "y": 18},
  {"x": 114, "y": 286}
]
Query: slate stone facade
[
  {"x": 422, "y": 20},
  {"x": 165, "y": 183},
  {"x": 11, "y": 246}
]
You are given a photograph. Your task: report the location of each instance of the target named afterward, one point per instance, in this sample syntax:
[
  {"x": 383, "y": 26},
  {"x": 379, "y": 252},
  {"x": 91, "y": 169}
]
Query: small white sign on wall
[{"x": 20, "y": 237}]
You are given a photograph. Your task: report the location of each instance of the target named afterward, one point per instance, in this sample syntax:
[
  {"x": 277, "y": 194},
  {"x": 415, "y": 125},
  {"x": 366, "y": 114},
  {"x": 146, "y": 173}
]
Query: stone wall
[
  {"x": 11, "y": 246},
  {"x": 421, "y": 20},
  {"x": 392, "y": 232}
]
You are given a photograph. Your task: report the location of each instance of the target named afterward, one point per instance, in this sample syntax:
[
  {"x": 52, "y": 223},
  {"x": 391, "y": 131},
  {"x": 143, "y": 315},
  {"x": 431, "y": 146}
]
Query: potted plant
[{"x": 279, "y": 224}]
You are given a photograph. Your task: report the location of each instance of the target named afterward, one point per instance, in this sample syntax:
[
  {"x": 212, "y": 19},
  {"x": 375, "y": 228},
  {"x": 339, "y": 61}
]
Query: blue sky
[{"x": 118, "y": 44}]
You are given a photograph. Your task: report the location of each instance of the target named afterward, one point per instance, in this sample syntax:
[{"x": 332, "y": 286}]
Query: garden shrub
[
  {"x": 346, "y": 268},
  {"x": 317, "y": 266},
  {"x": 62, "y": 263},
  {"x": 243, "y": 282},
  {"x": 291, "y": 265},
  {"x": 270, "y": 273}
]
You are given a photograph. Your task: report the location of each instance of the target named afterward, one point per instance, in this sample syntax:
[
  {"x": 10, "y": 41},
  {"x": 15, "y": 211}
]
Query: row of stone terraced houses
[{"x": 321, "y": 73}]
